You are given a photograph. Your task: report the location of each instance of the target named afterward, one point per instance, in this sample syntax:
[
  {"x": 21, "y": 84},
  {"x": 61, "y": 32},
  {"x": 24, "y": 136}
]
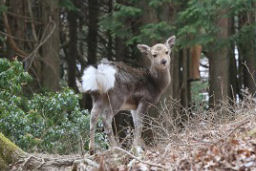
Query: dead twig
[
  {"x": 16, "y": 38},
  {"x": 249, "y": 71}
]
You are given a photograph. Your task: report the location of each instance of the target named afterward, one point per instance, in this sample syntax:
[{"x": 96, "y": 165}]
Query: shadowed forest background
[{"x": 45, "y": 45}]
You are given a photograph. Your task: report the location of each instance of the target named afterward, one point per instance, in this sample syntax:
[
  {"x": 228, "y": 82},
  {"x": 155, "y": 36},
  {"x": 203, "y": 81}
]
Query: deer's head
[{"x": 159, "y": 54}]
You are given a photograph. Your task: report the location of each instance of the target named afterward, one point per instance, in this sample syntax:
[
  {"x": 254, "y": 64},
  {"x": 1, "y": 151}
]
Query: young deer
[{"x": 115, "y": 86}]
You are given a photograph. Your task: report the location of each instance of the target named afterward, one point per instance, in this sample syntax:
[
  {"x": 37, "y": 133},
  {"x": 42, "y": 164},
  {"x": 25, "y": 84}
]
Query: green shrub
[{"x": 50, "y": 121}]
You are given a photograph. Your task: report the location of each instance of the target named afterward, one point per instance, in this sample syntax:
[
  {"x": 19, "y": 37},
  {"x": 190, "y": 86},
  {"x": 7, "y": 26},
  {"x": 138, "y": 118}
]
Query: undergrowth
[
  {"x": 45, "y": 122},
  {"x": 183, "y": 139}
]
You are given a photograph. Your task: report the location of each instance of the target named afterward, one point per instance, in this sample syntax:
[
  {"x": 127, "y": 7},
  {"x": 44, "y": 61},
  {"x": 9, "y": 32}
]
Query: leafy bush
[{"x": 51, "y": 122}]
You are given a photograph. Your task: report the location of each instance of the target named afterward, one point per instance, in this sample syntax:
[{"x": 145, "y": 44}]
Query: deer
[{"x": 116, "y": 86}]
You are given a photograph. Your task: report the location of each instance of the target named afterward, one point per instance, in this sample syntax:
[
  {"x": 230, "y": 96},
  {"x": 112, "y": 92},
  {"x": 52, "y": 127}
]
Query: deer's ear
[
  {"x": 143, "y": 48},
  {"x": 170, "y": 41}
]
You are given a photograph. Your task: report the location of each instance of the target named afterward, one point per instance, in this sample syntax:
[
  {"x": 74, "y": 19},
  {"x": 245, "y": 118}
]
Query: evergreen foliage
[
  {"x": 54, "y": 121},
  {"x": 125, "y": 22},
  {"x": 49, "y": 121}
]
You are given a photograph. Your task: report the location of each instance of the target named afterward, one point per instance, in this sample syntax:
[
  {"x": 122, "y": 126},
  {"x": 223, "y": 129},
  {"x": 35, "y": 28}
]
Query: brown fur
[{"x": 135, "y": 89}]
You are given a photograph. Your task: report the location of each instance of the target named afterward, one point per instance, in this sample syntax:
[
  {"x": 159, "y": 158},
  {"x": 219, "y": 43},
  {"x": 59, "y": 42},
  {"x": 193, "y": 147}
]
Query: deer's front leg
[
  {"x": 93, "y": 123},
  {"x": 138, "y": 123}
]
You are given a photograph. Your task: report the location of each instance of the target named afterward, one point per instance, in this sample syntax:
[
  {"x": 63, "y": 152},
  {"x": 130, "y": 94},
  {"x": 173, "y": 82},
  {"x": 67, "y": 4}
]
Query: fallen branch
[{"x": 138, "y": 159}]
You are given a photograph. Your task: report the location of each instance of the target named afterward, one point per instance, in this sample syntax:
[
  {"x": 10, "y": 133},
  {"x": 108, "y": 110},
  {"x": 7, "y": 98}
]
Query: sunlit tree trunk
[{"x": 233, "y": 69}]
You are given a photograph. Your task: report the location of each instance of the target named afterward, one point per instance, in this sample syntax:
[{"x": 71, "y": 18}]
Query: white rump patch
[
  {"x": 101, "y": 79},
  {"x": 89, "y": 82}
]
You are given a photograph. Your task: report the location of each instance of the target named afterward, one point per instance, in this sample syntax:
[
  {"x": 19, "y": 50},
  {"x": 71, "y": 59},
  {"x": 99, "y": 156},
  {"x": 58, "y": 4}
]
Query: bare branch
[
  {"x": 46, "y": 35},
  {"x": 13, "y": 44},
  {"x": 32, "y": 21}
]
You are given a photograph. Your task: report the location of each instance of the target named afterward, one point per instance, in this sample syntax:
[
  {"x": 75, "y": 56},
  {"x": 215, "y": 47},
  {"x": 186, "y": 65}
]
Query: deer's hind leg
[
  {"x": 107, "y": 123},
  {"x": 115, "y": 101},
  {"x": 97, "y": 109}
]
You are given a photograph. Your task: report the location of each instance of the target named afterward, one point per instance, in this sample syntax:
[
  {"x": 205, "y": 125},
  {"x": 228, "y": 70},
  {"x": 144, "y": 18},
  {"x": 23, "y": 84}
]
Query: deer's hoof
[
  {"x": 91, "y": 151},
  {"x": 137, "y": 150}
]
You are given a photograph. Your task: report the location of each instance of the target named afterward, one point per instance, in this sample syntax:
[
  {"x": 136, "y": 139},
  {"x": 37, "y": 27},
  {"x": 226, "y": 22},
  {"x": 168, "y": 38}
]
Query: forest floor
[
  {"x": 226, "y": 146},
  {"x": 205, "y": 143}
]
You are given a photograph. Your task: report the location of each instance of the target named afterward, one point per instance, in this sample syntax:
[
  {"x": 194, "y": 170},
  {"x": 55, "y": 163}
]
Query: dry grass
[
  {"x": 198, "y": 140},
  {"x": 206, "y": 140}
]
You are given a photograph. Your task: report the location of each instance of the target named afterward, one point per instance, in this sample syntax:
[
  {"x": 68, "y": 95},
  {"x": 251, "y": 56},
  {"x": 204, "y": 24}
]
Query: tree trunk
[
  {"x": 12, "y": 158},
  {"x": 9, "y": 153},
  {"x": 247, "y": 54},
  {"x": 93, "y": 7},
  {"x": 185, "y": 84},
  {"x": 50, "y": 50},
  {"x": 194, "y": 64},
  {"x": 250, "y": 58},
  {"x": 234, "y": 90},
  {"x": 110, "y": 39},
  {"x": 233, "y": 72},
  {"x": 72, "y": 51},
  {"x": 219, "y": 64},
  {"x": 250, "y": 68},
  {"x": 121, "y": 49},
  {"x": 17, "y": 26},
  {"x": 92, "y": 42}
]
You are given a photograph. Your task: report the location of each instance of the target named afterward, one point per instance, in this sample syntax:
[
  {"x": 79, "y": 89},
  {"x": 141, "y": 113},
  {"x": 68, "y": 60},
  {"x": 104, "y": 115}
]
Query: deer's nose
[{"x": 163, "y": 61}]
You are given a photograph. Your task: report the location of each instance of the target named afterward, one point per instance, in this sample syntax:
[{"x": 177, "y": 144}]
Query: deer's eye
[
  {"x": 166, "y": 52},
  {"x": 155, "y": 55}
]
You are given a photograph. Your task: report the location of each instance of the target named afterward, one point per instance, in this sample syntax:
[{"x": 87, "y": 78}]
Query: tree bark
[
  {"x": 194, "y": 64},
  {"x": 121, "y": 49},
  {"x": 93, "y": 7},
  {"x": 72, "y": 50},
  {"x": 185, "y": 84},
  {"x": 9, "y": 153},
  {"x": 15, "y": 27},
  {"x": 248, "y": 52},
  {"x": 50, "y": 50},
  {"x": 12, "y": 158},
  {"x": 233, "y": 69},
  {"x": 110, "y": 39},
  {"x": 219, "y": 64}
]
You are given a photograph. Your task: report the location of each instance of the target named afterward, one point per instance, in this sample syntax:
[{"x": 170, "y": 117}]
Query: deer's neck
[{"x": 161, "y": 78}]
